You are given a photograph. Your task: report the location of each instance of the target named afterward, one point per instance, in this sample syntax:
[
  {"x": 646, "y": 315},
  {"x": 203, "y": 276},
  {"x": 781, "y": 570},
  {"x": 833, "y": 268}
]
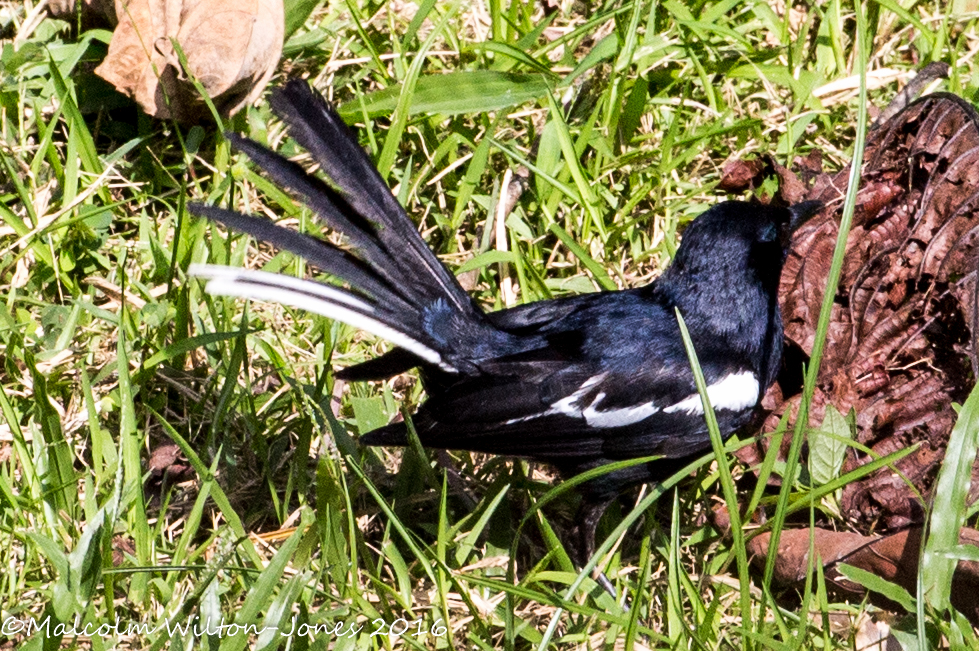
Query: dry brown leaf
[
  {"x": 740, "y": 174},
  {"x": 901, "y": 342},
  {"x": 121, "y": 548},
  {"x": 790, "y": 189},
  {"x": 167, "y": 465},
  {"x": 899, "y": 349},
  {"x": 893, "y": 557},
  {"x": 231, "y": 46},
  {"x": 792, "y": 561}
]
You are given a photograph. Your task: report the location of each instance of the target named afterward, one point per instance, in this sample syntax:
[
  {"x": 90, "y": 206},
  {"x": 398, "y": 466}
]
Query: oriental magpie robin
[{"x": 575, "y": 382}]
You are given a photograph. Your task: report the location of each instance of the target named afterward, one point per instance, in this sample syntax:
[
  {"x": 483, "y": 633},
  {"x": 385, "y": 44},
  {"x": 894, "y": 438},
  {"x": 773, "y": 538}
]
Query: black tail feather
[
  {"x": 389, "y": 364},
  {"x": 326, "y": 202},
  {"x": 396, "y": 286},
  {"x": 393, "y": 434},
  {"x": 323, "y": 255},
  {"x": 319, "y": 129}
]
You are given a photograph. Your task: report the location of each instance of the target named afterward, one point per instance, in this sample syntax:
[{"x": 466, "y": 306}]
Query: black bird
[{"x": 575, "y": 382}]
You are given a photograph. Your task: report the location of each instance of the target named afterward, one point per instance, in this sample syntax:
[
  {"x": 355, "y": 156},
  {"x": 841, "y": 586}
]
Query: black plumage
[{"x": 575, "y": 382}]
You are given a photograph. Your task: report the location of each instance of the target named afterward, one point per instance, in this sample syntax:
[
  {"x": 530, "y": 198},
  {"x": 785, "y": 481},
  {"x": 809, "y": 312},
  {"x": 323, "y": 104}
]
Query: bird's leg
[{"x": 589, "y": 513}]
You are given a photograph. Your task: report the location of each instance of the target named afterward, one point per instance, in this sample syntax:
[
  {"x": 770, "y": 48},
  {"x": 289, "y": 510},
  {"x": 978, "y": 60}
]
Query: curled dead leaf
[
  {"x": 893, "y": 557},
  {"x": 792, "y": 561},
  {"x": 231, "y": 47},
  {"x": 901, "y": 346},
  {"x": 167, "y": 466},
  {"x": 740, "y": 175}
]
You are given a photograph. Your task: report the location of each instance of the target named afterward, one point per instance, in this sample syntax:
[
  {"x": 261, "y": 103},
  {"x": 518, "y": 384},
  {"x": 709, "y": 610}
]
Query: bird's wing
[
  {"x": 620, "y": 388},
  {"x": 606, "y": 415}
]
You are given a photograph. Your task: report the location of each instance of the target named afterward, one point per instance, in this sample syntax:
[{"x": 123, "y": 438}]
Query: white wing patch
[
  {"x": 734, "y": 392},
  {"x": 570, "y": 406},
  {"x": 617, "y": 417}
]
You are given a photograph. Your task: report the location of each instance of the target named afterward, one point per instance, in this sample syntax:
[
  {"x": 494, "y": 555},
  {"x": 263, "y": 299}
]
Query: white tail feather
[{"x": 310, "y": 296}]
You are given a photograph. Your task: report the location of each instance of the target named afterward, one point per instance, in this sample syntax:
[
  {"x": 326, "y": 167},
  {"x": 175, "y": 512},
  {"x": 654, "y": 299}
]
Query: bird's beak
[
  {"x": 799, "y": 214},
  {"x": 802, "y": 212}
]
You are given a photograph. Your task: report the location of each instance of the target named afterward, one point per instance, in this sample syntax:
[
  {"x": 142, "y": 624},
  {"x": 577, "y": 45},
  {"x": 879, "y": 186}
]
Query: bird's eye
[{"x": 768, "y": 233}]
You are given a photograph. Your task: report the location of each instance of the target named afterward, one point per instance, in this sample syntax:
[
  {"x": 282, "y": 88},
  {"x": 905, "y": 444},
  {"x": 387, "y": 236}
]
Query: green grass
[{"x": 624, "y": 113}]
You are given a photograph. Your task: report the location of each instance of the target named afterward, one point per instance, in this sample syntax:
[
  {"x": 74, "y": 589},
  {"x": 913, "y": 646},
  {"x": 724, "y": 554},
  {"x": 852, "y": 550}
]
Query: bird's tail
[{"x": 395, "y": 286}]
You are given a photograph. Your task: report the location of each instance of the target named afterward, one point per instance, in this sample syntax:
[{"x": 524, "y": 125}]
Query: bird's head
[
  {"x": 725, "y": 275},
  {"x": 736, "y": 239}
]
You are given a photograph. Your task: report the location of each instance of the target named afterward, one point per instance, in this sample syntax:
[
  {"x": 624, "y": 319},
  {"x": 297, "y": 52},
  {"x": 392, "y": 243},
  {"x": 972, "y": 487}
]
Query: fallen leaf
[
  {"x": 899, "y": 349},
  {"x": 743, "y": 174},
  {"x": 901, "y": 345},
  {"x": 231, "y": 47},
  {"x": 893, "y": 557},
  {"x": 739, "y": 175}
]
